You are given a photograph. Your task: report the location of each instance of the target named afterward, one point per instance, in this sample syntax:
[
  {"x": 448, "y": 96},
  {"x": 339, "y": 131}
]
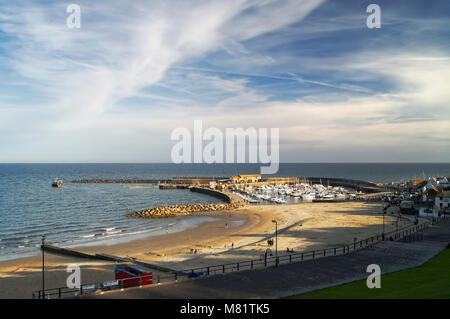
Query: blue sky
[{"x": 113, "y": 90}]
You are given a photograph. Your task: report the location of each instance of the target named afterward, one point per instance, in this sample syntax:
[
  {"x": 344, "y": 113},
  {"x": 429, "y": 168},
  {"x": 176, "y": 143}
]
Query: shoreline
[
  {"x": 233, "y": 236},
  {"x": 230, "y": 201},
  {"x": 107, "y": 246},
  {"x": 127, "y": 238},
  {"x": 238, "y": 220}
]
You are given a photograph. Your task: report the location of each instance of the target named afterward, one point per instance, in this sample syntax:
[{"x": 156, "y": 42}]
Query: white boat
[
  {"x": 309, "y": 196},
  {"x": 279, "y": 201},
  {"x": 251, "y": 200},
  {"x": 57, "y": 183}
]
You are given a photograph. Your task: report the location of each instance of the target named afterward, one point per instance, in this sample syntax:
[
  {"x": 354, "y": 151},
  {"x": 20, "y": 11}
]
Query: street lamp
[
  {"x": 276, "y": 242},
  {"x": 396, "y": 228},
  {"x": 43, "y": 268},
  {"x": 384, "y": 213}
]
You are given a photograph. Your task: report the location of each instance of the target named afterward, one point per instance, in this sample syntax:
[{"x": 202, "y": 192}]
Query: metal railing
[
  {"x": 405, "y": 232},
  {"x": 89, "y": 288},
  {"x": 293, "y": 257}
]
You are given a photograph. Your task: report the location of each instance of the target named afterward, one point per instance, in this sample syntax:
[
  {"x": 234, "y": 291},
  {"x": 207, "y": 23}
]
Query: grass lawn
[{"x": 432, "y": 280}]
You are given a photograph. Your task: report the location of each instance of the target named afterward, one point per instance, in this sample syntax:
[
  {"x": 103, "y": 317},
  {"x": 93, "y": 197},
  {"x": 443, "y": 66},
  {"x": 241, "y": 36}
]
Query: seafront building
[
  {"x": 252, "y": 178},
  {"x": 427, "y": 197},
  {"x": 442, "y": 201}
]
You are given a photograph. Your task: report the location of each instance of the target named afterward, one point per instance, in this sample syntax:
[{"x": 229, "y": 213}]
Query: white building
[
  {"x": 246, "y": 178},
  {"x": 442, "y": 201},
  {"x": 212, "y": 184},
  {"x": 428, "y": 212}
]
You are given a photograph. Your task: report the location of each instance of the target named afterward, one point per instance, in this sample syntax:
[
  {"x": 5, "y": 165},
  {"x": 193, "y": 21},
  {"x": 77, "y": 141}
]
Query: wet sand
[{"x": 234, "y": 236}]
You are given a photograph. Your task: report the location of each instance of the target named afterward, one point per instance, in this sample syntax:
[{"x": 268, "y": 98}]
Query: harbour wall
[
  {"x": 228, "y": 197},
  {"x": 120, "y": 181},
  {"x": 368, "y": 187},
  {"x": 186, "y": 182}
]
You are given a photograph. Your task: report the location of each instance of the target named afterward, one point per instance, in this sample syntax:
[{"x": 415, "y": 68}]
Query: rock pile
[{"x": 180, "y": 210}]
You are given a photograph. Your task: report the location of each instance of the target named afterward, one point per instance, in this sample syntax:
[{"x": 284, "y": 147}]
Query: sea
[{"x": 94, "y": 214}]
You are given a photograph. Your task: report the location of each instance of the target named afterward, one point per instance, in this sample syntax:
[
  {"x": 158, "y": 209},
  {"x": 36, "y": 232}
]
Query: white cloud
[{"x": 84, "y": 76}]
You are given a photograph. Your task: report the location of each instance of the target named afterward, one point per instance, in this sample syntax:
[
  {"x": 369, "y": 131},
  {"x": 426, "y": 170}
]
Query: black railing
[
  {"x": 270, "y": 261},
  {"x": 88, "y": 288},
  {"x": 405, "y": 233}
]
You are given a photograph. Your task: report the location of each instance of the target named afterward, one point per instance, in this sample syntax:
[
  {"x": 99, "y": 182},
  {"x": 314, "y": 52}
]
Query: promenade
[{"x": 301, "y": 277}]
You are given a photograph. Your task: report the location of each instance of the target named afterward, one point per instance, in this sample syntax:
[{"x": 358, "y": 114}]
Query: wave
[
  {"x": 13, "y": 239},
  {"x": 114, "y": 232}
]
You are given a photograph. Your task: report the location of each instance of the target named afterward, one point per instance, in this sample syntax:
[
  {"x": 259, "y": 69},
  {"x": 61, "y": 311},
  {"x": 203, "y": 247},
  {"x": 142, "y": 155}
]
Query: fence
[
  {"x": 287, "y": 258},
  {"x": 263, "y": 262},
  {"x": 97, "y": 287}
]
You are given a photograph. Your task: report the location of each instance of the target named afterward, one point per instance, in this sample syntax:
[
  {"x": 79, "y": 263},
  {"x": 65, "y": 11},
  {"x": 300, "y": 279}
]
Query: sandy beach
[{"x": 233, "y": 236}]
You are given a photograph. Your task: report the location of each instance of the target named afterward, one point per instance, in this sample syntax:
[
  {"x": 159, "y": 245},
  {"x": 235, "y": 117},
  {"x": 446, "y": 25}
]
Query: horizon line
[{"x": 146, "y": 163}]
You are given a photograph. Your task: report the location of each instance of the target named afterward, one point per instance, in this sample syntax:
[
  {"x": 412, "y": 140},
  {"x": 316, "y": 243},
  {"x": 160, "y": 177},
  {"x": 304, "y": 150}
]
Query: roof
[
  {"x": 418, "y": 181},
  {"x": 250, "y": 175},
  {"x": 434, "y": 189}
]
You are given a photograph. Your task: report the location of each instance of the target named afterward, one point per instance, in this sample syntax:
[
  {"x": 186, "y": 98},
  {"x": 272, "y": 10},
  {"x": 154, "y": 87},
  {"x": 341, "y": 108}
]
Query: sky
[{"x": 114, "y": 89}]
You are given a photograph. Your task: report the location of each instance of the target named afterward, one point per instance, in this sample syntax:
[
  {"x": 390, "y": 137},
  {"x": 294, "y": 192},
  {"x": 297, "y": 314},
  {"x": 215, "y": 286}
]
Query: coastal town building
[
  {"x": 443, "y": 182},
  {"x": 442, "y": 201},
  {"x": 427, "y": 211},
  {"x": 440, "y": 205},
  {"x": 416, "y": 184},
  {"x": 250, "y": 178}
]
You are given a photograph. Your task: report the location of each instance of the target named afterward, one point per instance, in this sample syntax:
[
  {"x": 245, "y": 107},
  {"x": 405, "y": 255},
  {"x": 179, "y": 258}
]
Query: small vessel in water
[{"x": 57, "y": 183}]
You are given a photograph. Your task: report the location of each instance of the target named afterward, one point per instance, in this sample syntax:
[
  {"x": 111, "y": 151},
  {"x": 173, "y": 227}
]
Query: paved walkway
[{"x": 301, "y": 277}]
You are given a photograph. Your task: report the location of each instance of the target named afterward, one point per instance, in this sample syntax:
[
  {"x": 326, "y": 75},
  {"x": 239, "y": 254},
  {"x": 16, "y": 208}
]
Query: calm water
[{"x": 83, "y": 214}]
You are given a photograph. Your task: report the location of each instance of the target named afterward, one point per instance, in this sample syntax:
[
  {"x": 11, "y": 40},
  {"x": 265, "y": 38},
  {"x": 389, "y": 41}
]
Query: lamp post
[
  {"x": 384, "y": 213},
  {"x": 276, "y": 242},
  {"x": 43, "y": 267},
  {"x": 396, "y": 228}
]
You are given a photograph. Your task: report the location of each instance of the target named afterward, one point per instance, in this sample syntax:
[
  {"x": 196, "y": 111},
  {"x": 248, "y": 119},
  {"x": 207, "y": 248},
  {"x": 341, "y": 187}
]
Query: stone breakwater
[
  {"x": 232, "y": 200},
  {"x": 181, "y": 210}
]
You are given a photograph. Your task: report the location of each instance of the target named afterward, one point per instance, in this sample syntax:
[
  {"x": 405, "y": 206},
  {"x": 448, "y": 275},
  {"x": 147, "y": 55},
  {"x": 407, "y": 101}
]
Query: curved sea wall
[
  {"x": 233, "y": 202},
  {"x": 222, "y": 195}
]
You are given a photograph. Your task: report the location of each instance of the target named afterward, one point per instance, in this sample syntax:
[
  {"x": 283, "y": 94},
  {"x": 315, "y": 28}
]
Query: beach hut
[{"x": 130, "y": 276}]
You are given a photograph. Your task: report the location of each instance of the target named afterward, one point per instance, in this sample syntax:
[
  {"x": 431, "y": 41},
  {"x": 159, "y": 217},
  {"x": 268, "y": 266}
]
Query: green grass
[{"x": 432, "y": 280}]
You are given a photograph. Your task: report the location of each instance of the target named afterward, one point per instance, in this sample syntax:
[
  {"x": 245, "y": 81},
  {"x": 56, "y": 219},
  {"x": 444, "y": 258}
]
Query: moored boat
[{"x": 57, "y": 183}]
